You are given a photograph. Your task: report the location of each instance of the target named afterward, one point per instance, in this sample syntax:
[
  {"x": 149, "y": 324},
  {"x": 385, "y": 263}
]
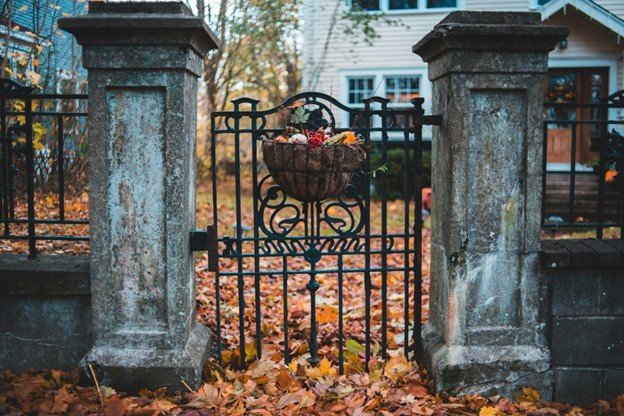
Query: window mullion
[{"x": 382, "y": 88}]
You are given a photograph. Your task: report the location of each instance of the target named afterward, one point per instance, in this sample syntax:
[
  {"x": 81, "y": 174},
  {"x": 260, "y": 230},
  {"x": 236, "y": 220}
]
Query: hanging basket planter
[{"x": 312, "y": 174}]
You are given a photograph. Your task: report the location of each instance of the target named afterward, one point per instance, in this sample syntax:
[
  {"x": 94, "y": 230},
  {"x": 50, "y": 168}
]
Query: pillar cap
[
  {"x": 143, "y": 23},
  {"x": 490, "y": 31}
]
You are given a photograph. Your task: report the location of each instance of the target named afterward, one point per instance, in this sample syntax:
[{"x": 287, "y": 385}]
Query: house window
[
  {"x": 402, "y": 89},
  {"x": 360, "y": 88},
  {"x": 402, "y": 4},
  {"x": 533, "y": 4},
  {"x": 370, "y": 5},
  {"x": 437, "y": 4}
]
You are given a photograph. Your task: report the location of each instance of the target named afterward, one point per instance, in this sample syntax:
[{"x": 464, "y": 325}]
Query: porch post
[
  {"x": 486, "y": 331},
  {"x": 143, "y": 61}
]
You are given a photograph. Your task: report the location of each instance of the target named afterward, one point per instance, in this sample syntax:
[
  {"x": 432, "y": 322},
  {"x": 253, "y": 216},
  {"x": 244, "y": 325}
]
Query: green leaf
[
  {"x": 383, "y": 168},
  {"x": 354, "y": 347},
  {"x": 299, "y": 116}
]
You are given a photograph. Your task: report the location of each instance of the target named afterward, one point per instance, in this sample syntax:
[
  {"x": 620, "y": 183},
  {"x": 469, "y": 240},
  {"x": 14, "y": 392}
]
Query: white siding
[{"x": 614, "y": 6}]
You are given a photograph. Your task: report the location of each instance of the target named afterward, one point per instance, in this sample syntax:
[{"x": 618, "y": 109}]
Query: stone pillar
[
  {"x": 486, "y": 330},
  {"x": 143, "y": 61}
]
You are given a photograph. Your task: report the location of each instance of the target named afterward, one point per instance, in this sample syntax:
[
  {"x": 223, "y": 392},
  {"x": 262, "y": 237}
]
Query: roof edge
[{"x": 587, "y": 7}]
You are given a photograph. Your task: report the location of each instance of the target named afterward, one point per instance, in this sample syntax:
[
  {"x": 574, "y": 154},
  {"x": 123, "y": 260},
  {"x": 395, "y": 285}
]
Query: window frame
[
  {"x": 384, "y": 7},
  {"x": 397, "y": 76},
  {"x": 379, "y": 79},
  {"x": 534, "y": 4},
  {"x": 348, "y": 78}
]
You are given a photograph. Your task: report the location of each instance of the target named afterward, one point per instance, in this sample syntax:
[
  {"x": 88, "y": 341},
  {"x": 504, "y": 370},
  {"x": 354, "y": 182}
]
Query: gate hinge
[{"x": 207, "y": 241}]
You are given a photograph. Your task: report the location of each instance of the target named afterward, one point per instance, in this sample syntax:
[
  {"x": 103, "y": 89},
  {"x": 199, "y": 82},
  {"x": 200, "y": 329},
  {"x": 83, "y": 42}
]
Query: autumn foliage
[{"x": 395, "y": 387}]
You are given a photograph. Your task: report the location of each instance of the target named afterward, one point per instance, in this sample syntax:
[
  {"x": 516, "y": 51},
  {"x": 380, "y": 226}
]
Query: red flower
[{"x": 315, "y": 138}]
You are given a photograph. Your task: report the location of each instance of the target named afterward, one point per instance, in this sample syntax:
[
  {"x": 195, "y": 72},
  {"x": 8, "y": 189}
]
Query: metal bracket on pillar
[{"x": 207, "y": 241}]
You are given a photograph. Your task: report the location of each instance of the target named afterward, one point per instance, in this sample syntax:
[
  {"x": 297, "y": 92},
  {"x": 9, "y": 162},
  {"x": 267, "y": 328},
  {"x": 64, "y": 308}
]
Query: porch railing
[
  {"x": 583, "y": 189},
  {"x": 42, "y": 158}
]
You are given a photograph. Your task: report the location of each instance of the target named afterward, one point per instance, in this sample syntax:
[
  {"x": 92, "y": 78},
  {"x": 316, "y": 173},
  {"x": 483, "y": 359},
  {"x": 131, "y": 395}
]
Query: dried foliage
[{"x": 395, "y": 387}]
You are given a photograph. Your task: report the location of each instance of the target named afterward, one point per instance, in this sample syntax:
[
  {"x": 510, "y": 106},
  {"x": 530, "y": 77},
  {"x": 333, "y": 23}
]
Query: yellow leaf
[
  {"x": 293, "y": 366},
  {"x": 529, "y": 394},
  {"x": 33, "y": 77},
  {"x": 38, "y": 49},
  {"x": 250, "y": 351},
  {"x": 491, "y": 411},
  {"x": 324, "y": 368},
  {"x": 39, "y": 132},
  {"x": 19, "y": 105},
  {"x": 8, "y": 70},
  {"x": 397, "y": 367},
  {"x": 353, "y": 363},
  {"x": 23, "y": 60}
]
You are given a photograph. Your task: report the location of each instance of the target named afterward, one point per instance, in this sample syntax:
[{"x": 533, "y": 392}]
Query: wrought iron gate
[{"x": 259, "y": 235}]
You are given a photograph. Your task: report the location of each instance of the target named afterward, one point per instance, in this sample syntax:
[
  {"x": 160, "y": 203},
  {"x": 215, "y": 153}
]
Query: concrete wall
[
  {"x": 586, "y": 319},
  {"x": 45, "y": 318}
]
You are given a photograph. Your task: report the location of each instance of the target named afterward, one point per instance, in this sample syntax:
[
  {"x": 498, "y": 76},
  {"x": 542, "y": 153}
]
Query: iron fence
[
  {"x": 42, "y": 157},
  {"x": 357, "y": 236},
  {"x": 582, "y": 160}
]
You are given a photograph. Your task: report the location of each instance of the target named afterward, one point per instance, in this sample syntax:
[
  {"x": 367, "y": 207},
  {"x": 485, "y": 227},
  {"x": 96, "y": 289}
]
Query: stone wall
[
  {"x": 45, "y": 317},
  {"x": 586, "y": 331}
]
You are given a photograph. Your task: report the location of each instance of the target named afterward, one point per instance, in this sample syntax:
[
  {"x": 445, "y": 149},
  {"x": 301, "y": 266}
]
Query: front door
[{"x": 574, "y": 85}]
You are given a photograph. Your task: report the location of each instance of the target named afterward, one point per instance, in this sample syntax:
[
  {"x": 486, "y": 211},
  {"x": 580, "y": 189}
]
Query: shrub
[{"x": 395, "y": 175}]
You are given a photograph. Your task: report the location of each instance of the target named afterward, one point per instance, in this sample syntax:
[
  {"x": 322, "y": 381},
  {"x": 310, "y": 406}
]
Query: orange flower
[
  {"x": 350, "y": 139},
  {"x": 610, "y": 176}
]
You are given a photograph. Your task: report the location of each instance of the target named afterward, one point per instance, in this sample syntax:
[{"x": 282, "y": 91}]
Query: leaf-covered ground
[
  {"x": 268, "y": 388},
  {"x": 392, "y": 386}
]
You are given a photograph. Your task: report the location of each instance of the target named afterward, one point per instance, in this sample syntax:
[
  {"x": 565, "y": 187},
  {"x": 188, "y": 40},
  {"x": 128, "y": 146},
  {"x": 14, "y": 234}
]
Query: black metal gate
[{"x": 371, "y": 233}]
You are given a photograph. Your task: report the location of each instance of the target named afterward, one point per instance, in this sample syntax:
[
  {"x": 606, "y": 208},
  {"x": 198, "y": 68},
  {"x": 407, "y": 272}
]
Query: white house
[{"x": 588, "y": 65}]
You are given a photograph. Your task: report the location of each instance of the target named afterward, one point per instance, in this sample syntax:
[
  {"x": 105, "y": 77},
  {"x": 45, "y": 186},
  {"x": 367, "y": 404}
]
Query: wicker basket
[{"x": 311, "y": 174}]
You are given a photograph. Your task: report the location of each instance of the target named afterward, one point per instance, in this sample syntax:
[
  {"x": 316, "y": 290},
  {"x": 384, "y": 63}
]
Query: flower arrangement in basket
[{"x": 312, "y": 165}]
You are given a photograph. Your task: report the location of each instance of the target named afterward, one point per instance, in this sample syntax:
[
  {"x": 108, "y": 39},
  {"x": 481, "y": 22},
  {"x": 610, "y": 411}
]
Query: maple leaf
[
  {"x": 61, "y": 401},
  {"x": 299, "y": 116},
  {"x": 324, "y": 368}
]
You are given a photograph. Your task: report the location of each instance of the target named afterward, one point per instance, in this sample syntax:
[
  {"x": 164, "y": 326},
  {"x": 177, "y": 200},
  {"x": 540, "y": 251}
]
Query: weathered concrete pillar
[
  {"x": 486, "y": 331},
  {"x": 143, "y": 61}
]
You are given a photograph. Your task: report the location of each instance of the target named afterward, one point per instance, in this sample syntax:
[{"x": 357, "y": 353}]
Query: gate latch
[{"x": 207, "y": 241}]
